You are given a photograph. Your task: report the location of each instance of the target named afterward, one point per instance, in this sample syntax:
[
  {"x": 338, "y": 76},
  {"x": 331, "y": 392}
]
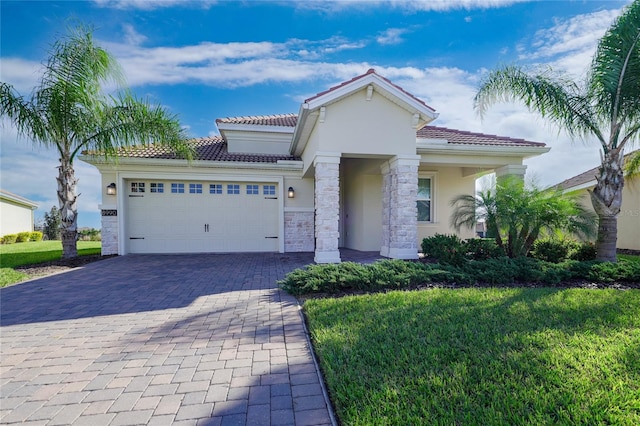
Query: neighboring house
[
  {"x": 16, "y": 213},
  {"x": 357, "y": 167},
  {"x": 629, "y": 217}
]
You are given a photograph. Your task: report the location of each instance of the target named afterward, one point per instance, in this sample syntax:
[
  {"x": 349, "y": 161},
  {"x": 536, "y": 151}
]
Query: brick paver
[{"x": 162, "y": 339}]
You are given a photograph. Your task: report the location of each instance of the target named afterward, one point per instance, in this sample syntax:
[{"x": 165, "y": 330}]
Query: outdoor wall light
[
  {"x": 291, "y": 193},
  {"x": 111, "y": 189}
]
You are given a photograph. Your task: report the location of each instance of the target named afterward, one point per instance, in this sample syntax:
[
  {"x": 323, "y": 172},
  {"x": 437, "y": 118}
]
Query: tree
[
  {"x": 606, "y": 107},
  {"x": 52, "y": 224},
  {"x": 70, "y": 111},
  {"x": 516, "y": 215}
]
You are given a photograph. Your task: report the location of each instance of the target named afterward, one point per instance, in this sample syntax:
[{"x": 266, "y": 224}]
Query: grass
[
  {"x": 629, "y": 257},
  {"x": 30, "y": 253},
  {"x": 20, "y": 254},
  {"x": 481, "y": 356}
]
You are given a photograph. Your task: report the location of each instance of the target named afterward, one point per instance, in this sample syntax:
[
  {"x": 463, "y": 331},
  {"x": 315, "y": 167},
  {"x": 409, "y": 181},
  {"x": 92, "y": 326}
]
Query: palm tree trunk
[
  {"x": 606, "y": 198},
  {"x": 68, "y": 208}
]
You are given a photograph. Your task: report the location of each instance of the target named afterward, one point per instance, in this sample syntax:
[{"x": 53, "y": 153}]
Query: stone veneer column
[
  {"x": 109, "y": 231},
  {"x": 327, "y": 206},
  {"x": 386, "y": 203},
  {"x": 402, "y": 193},
  {"x": 298, "y": 231}
]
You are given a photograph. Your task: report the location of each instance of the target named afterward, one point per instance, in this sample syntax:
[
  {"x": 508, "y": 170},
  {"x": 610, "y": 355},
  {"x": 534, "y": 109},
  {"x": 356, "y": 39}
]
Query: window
[
  {"x": 233, "y": 189},
  {"x": 215, "y": 188},
  {"x": 137, "y": 186},
  {"x": 157, "y": 187},
  {"x": 253, "y": 190},
  {"x": 424, "y": 200},
  {"x": 195, "y": 188},
  {"x": 177, "y": 188},
  {"x": 269, "y": 190}
]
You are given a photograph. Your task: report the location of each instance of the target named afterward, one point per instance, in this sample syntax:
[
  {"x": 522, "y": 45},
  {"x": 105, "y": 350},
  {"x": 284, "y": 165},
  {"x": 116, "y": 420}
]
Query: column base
[
  {"x": 327, "y": 257},
  {"x": 406, "y": 254},
  {"x": 384, "y": 251}
]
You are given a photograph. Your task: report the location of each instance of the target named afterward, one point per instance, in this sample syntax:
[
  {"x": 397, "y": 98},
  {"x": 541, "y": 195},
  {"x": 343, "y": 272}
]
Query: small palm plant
[{"x": 516, "y": 215}]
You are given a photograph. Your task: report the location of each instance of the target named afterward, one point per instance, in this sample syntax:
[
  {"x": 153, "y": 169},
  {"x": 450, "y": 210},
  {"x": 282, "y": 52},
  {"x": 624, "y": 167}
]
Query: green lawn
[
  {"x": 19, "y": 254},
  {"x": 481, "y": 356}
]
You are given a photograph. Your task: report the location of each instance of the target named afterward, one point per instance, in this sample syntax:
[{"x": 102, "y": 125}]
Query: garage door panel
[{"x": 188, "y": 223}]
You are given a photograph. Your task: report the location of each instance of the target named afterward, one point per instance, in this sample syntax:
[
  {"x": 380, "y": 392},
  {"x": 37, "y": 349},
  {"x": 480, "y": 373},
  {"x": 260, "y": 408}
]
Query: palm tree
[
  {"x": 516, "y": 215},
  {"x": 70, "y": 111},
  {"x": 606, "y": 107}
]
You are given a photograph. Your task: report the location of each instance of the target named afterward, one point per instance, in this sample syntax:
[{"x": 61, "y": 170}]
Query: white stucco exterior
[
  {"x": 16, "y": 213},
  {"x": 353, "y": 157}
]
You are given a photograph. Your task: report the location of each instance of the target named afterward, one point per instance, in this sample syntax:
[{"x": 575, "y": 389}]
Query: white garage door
[{"x": 201, "y": 217}]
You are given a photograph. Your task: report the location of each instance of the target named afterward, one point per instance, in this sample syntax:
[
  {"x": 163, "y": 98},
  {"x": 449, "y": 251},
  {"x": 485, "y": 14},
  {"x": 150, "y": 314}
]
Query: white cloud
[
  {"x": 131, "y": 36},
  {"x": 406, "y": 5},
  {"x": 24, "y": 75},
  {"x": 391, "y": 36},
  {"x": 152, "y": 4},
  {"x": 570, "y": 44}
]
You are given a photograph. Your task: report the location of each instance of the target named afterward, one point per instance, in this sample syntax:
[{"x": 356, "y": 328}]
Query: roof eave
[
  {"x": 166, "y": 162},
  {"x": 506, "y": 150}
]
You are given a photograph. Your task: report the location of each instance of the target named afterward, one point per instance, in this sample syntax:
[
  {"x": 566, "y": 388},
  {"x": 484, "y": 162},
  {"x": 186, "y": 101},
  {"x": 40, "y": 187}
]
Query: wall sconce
[
  {"x": 291, "y": 193},
  {"x": 111, "y": 189}
]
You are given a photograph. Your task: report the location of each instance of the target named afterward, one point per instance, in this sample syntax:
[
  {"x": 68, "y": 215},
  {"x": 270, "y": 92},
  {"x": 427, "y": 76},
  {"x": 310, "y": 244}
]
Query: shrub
[
  {"x": 448, "y": 249},
  {"x": 554, "y": 251},
  {"x": 622, "y": 271},
  {"x": 23, "y": 237},
  {"x": 583, "y": 251},
  {"x": 482, "y": 249},
  {"x": 35, "y": 236},
  {"x": 9, "y": 239}
]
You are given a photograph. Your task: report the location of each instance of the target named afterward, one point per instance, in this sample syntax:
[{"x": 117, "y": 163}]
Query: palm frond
[
  {"x": 614, "y": 80},
  {"x": 554, "y": 98}
]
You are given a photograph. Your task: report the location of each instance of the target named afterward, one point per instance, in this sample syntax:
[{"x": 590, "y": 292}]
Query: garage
[{"x": 181, "y": 216}]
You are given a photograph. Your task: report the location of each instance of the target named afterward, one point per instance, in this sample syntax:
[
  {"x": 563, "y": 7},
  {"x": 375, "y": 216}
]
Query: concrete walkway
[{"x": 166, "y": 339}]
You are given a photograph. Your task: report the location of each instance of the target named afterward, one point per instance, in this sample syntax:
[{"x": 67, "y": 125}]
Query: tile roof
[
  {"x": 471, "y": 138},
  {"x": 585, "y": 177},
  {"x": 287, "y": 120},
  {"x": 370, "y": 71},
  {"x": 212, "y": 148}
]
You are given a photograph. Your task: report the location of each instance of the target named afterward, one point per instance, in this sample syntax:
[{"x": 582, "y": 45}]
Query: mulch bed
[{"x": 56, "y": 266}]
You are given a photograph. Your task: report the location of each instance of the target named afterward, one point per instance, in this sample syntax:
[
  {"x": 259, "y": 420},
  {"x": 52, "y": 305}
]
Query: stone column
[
  {"x": 109, "y": 231},
  {"x": 386, "y": 202},
  {"x": 327, "y": 207},
  {"x": 403, "y": 213}
]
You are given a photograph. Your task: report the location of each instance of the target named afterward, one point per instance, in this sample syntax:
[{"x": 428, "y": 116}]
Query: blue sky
[{"x": 205, "y": 60}]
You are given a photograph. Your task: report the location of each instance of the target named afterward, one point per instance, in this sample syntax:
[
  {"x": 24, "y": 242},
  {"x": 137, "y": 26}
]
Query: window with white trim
[
  {"x": 156, "y": 187},
  {"x": 177, "y": 188},
  {"x": 233, "y": 189},
  {"x": 253, "y": 190},
  {"x": 195, "y": 188},
  {"x": 215, "y": 188},
  {"x": 425, "y": 212},
  {"x": 269, "y": 190},
  {"x": 137, "y": 186}
]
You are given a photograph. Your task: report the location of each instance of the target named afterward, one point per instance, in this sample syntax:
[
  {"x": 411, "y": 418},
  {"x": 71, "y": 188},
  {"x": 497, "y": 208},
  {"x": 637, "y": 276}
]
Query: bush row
[
  {"x": 451, "y": 250},
  {"x": 21, "y": 237},
  {"x": 400, "y": 274}
]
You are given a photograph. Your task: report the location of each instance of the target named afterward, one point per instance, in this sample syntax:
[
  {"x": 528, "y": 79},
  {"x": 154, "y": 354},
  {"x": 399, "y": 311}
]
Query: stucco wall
[
  {"x": 449, "y": 182},
  {"x": 361, "y": 204},
  {"x": 357, "y": 126},
  {"x": 629, "y": 217},
  {"x": 15, "y": 218}
]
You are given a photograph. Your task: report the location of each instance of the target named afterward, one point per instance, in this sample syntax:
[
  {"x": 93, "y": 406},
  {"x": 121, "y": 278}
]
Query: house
[
  {"x": 359, "y": 166},
  {"x": 16, "y": 213},
  {"x": 629, "y": 217}
]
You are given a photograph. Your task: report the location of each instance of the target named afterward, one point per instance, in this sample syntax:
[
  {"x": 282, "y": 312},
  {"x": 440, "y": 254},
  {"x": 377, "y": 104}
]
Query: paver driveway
[{"x": 175, "y": 339}]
